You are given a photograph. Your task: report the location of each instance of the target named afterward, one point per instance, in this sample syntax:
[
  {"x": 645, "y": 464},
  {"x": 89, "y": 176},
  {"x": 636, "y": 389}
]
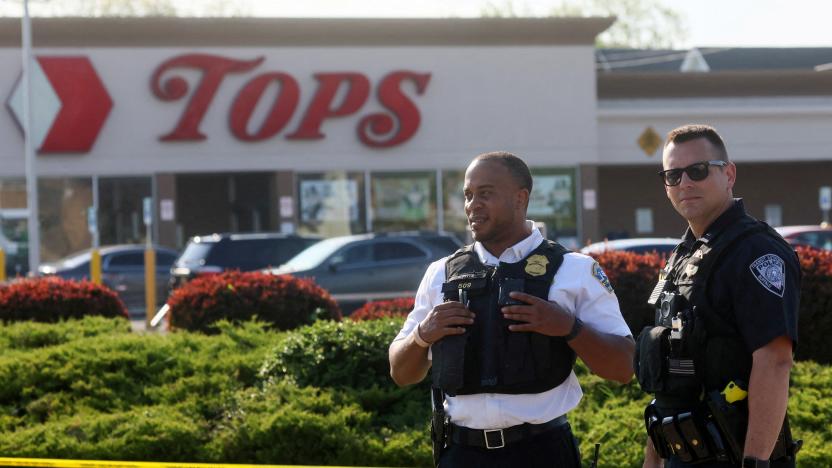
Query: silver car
[{"x": 362, "y": 267}]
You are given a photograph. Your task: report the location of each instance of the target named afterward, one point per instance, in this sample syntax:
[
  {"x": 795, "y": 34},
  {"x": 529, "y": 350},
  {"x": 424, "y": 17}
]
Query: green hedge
[{"x": 90, "y": 389}]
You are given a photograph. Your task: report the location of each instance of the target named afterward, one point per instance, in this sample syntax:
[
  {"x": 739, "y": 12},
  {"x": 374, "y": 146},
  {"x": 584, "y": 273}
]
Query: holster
[
  {"x": 439, "y": 424},
  {"x": 731, "y": 421},
  {"x": 691, "y": 436},
  {"x": 653, "y": 422},
  {"x": 714, "y": 431}
]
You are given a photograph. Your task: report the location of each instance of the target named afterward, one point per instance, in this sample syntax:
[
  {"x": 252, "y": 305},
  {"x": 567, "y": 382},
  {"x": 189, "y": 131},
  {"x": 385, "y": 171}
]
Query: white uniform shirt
[{"x": 575, "y": 289}]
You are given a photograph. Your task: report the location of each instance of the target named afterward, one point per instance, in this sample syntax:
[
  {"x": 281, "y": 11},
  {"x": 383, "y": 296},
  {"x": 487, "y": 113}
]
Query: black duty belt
[{"x": 499, "y": 438}]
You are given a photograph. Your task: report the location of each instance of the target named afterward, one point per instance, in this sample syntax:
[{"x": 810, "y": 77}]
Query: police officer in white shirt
[{"x": 501, "y": 322}]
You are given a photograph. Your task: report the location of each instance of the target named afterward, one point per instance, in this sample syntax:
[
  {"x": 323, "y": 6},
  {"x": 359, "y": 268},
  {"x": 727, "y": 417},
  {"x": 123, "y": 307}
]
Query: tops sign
[{"x": 394, "y": 126}]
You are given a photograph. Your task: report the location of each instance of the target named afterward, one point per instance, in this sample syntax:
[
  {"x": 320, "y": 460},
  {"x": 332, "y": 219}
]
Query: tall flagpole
[{"x": 33, "y": 226}]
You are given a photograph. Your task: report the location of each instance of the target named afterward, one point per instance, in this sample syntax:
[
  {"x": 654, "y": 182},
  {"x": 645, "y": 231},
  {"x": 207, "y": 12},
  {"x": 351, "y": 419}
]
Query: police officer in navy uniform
[
  {"x": 501, "y": 322},
  {"x": 719, "y": 357}
]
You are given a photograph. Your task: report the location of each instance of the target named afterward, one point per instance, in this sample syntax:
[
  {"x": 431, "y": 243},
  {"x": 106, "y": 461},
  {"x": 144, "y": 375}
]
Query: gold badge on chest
[{"x": 536, "y": 265}]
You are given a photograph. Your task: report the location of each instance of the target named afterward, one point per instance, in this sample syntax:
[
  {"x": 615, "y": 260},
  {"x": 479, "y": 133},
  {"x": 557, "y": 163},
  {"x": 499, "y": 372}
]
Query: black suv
[
  {"x": 371, "y": 266},
  {"x": 216, "y": 253}
]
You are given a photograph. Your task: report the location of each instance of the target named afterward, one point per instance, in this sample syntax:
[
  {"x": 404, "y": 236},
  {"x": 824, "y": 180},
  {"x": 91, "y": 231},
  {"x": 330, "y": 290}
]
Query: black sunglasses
[{"x": 696, "y": 172}]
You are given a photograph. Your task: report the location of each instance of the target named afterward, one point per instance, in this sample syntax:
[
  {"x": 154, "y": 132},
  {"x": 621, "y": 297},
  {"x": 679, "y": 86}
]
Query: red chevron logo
[{"x": 69, "y": 104}]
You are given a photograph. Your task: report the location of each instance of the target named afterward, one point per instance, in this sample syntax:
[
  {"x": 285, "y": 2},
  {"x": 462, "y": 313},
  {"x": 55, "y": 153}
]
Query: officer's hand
[
  {"x": 651, "y": 458},
  {"x": 445, "y": 319},
  {"x": 540, "y": 316}
]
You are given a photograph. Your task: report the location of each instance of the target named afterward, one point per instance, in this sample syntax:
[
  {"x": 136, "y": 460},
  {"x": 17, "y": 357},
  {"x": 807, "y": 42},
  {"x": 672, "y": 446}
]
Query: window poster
[
  {"x": 402, "y": 198},
  {"x": 551, "y": 196},
  {"x": 328, "y": 200}
]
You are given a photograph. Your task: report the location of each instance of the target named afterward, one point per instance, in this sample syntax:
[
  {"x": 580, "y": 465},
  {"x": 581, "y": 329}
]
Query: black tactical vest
[
  {"x": 488, "y": 357},
  {"x": 694, "y": 347}
]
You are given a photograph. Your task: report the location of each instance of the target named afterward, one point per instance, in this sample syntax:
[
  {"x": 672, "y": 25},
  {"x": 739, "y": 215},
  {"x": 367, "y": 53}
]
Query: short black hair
[
  {"x": 692, "y": 132},
  {"x": 516, "y": 167}
]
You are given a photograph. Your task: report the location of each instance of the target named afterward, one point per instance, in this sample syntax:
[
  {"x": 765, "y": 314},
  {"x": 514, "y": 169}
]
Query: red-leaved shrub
[
  {"x": 633, "y": 277},
  {"x": 814, "y": 326},
  {"x": 283, "y": 301},
  {"x": 52, "y": 299},
  {"x": 373, "y": 310}
]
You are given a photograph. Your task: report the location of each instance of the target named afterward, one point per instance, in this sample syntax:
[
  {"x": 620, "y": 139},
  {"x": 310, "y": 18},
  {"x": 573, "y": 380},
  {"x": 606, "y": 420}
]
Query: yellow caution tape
[{"x": 56, "y": 463}]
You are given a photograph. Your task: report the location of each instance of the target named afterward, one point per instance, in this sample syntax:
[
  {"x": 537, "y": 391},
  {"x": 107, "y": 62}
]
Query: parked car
[
  {"x": 205, "y": 255},
  {"x": 122, "y": 270},
  {"x": 370, "y": 266},
  {"x": 818, "y": 236},
  {"x": 661, "y": 245}
]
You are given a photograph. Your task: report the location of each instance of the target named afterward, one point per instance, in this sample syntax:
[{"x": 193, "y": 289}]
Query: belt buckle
[{"x": 492, "y": 431}]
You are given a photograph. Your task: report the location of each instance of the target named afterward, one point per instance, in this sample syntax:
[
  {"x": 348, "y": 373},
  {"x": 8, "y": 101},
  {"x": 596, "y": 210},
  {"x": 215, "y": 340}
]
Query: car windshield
[
  {"x": 313, "y": 255},
  {"x": 195, "y": 253}
]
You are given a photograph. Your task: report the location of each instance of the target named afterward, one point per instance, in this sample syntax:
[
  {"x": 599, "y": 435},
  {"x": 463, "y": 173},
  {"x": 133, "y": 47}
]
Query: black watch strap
[
  {"x": 577, "y": 326},
  {"x": 751, "y": 462}
]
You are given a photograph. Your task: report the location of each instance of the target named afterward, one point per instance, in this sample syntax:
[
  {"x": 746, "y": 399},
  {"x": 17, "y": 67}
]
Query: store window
[
  {"x": 63, "y": 204},
  {"x": 404, "y": 201},
  {"x": 238, "y": 202},
  {"x": 774, "y": 214},
  {"x": 644, "y": 220},
  {"x": 120, "y": 210},
  {"x": 331, "y": 203},
  {"x": 453, "y": 204},
  {"x": 552, "y": 202}
]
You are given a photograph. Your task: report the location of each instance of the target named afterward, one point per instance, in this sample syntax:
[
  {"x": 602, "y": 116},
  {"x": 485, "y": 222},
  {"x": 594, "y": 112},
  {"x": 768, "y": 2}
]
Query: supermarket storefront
[
  {"x": 309, "y": 126},
  {"x": 343, "y": 126}
]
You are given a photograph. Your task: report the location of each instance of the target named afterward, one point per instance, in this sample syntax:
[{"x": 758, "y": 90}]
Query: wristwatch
[
  {"x": 751, "y": 462},
  {"x": 576, "y": 328}
]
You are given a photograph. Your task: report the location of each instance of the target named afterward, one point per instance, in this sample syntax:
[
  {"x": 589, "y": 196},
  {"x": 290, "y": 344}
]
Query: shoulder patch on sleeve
[
  {"x": 770, "y": 271},
  {"x": 598, "y": 273}
]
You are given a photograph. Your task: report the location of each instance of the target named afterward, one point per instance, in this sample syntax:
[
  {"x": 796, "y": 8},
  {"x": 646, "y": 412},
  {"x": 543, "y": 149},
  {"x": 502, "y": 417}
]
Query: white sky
[{"x": 738, "y": 23}]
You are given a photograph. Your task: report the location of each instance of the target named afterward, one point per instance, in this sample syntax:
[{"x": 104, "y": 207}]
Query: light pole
[{"x": 33, "y": 224}]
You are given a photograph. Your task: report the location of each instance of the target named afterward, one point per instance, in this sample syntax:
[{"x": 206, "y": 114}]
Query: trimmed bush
[
  {"x": 119, "y": 371},
  {"x": 32, "y": 335},
  {"x": 283, "y": 301},
  {"x": 329, "y": 354},
  {"x": 815, "y": 322},
  {"x": 352, "y": 357},
  {"x": 633, "y": 277},
  {"x": 374, "y": 310},
  {"x": 135, "y": 434},
  {"x": 52, "y": 299},
  {"x": 285, "y": 424},
  {"x": 193, "y": 397}
]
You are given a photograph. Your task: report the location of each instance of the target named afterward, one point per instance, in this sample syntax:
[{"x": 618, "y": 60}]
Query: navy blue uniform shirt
[{"x": 756, "y": 283}]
